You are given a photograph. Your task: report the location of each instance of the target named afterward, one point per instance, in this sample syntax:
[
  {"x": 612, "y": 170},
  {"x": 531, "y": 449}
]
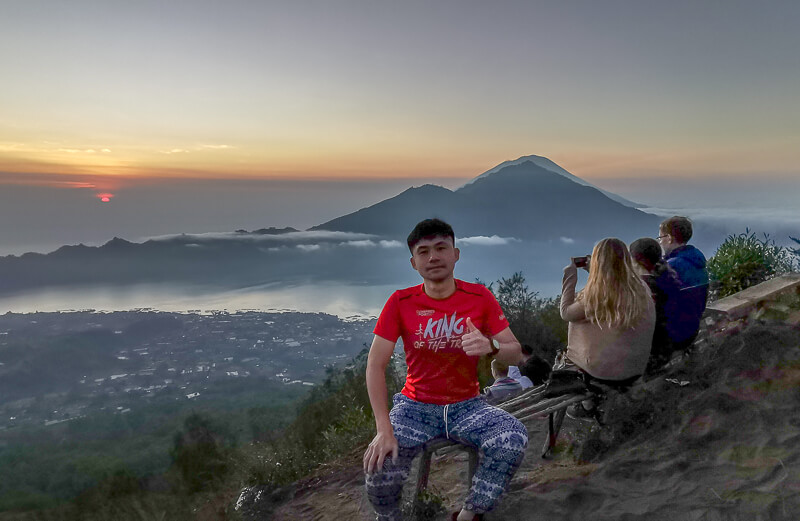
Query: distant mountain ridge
[
  {"x": 522, "y": 199},
  {"x": 541, "y": 215}
]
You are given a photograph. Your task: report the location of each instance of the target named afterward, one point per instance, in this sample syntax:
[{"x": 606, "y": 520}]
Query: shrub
[
  {"x": 535, "y": 321},
  {"x": 200, "y": 453},
  {"x": 335, "y": 419},
  {"x": 795, "y": 251},
  {"x": 744, "y": 260},
  {"x": 355, "y": 426},
  {"x": 342, "y": 395},
  {"x": 427, "y": 506}
]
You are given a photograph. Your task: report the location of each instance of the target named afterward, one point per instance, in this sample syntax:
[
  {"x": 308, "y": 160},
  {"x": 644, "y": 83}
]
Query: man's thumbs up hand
[
  {"x": 473, "y": 342},
  {"x": 470, "y": 326}
]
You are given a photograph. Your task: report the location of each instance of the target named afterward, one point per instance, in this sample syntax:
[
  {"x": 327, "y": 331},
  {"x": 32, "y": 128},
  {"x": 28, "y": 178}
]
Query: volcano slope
[{"x": 715, "y": 437}]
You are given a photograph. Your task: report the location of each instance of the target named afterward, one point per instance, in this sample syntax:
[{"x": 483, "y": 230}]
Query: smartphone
[{"x": 581, "y": 262}]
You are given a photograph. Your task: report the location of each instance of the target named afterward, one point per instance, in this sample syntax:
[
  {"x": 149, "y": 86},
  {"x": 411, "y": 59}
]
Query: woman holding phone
[{"x": 611, "y": 320}]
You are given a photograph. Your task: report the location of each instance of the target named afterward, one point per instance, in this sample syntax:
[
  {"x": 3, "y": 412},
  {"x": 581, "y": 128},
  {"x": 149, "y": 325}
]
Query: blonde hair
[{"x": 614, "y": 296}]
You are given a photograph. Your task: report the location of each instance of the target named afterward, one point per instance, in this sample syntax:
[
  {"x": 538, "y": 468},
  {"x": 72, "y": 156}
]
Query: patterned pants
[{"x": 500, "y": 438}]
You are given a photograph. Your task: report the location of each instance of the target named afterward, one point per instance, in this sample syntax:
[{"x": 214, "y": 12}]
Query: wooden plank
[
  {"x": 520, "y": 398},
  {"x": 547, "y": 403},
  {"x": 557, "y": 407},
  {"x": 745, "y": 301}
]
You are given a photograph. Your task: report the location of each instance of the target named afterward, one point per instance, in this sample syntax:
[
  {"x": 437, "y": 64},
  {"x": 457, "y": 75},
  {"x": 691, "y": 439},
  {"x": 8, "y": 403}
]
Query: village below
[{"x": 146, "y": 357}]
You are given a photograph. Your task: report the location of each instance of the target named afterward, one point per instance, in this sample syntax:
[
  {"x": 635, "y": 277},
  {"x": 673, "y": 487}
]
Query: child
[{"x": 503, "y": 386}]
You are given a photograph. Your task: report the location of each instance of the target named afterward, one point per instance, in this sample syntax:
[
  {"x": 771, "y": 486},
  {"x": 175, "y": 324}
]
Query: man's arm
[
  {"x": 510, "y": 350},
  {"x": 380, "y": 353}
]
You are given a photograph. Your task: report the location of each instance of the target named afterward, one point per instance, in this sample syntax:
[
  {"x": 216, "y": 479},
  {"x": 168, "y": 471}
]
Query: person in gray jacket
[{"x": 504, "y": 386}]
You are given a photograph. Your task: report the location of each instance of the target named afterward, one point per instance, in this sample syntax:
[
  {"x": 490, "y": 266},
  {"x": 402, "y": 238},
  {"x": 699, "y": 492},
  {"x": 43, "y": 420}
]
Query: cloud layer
[{"x": 482, "y": 240}]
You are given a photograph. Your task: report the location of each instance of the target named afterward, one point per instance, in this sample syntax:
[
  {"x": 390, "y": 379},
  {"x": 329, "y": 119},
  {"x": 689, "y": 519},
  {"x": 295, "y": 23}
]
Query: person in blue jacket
[{"x": 690, "y": 265}]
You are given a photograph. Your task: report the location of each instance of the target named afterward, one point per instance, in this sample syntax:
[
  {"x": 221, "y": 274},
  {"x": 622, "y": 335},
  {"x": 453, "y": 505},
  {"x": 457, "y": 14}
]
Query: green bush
[
  {"x": 355, "y": 426},
  {"x": 795, "y": 251},
  {"x": 744, "y": 260},
  {"x": 201, "y": 453},
  {"x": 427, "y": 506},
  {"x": 535, "y": 321},
  {"x": 335, "y": 419}
]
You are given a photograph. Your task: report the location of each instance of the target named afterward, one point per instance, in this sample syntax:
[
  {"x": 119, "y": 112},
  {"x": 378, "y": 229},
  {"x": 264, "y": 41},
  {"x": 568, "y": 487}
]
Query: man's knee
[
  {"x": 385, "y": 486},
  {"x": 509, "y": 435},
  {"x": 517, "y": 435},
  {"x": 393, "y": 471}
]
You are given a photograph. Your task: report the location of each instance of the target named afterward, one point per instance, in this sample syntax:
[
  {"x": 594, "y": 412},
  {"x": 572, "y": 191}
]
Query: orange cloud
[{"x": 65, "y": 181}]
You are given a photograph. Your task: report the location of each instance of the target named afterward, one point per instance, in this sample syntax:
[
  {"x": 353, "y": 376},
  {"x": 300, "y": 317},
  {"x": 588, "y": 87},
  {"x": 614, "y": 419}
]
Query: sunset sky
[{"x": 112, "y": 95}]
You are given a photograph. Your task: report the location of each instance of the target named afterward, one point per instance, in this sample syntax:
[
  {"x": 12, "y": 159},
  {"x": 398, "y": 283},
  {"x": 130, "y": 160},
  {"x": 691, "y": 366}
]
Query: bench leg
[
  {"x": 558, "y": 421},
  {"x": 554, "y": 421},
  {"x": 547, "y": 442},
  {"x": 424, "y": 470}
]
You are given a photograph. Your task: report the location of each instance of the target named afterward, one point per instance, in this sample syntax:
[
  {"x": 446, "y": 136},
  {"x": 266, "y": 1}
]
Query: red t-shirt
[{"x": 439, "y": 371}]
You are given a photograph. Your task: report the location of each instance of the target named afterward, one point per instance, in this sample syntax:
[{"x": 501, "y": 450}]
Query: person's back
[
  {"x": 536, "y": 369},
  {"x": 530, "y": 370},
  {"x": 665, "y": 286},
  {"x": 503, "y": 387},
  {"x": 611, "y": 321},
  {"x": 612, "y": 353},
  {"x": 690, "y": 265}
]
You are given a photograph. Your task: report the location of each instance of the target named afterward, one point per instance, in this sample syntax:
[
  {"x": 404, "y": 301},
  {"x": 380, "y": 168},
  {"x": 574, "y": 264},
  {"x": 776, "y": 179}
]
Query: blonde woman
[{"x": 611, "y": 320}]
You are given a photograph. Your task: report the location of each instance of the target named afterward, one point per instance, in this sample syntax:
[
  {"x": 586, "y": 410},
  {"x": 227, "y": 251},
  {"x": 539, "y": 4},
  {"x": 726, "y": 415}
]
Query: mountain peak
[
  {"x": 547, "y": 164},
  {"x": 426, "y": 189},
  {"x": 117, "y": 242}
]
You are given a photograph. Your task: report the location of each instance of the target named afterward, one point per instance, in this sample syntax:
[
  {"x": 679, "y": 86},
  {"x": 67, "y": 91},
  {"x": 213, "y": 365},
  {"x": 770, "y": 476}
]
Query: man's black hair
[
  {"x": 647, "y": 252},
  {"x": 427, "y": 229},
  {"x": 536, "y": 368}
]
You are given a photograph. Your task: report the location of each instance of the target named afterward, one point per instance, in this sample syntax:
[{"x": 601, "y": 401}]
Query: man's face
[
  {"x": 667, "y": 242},
  {"x": 435, "y": 258}
]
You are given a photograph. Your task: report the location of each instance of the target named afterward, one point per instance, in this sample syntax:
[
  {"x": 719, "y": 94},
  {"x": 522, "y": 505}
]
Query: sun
[{"x": 105, "y": 197}]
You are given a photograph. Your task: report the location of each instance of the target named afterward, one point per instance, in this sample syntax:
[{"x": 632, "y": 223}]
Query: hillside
[
  {"x": 718, "y": 442},
  {"x": 84, "y": 395}
]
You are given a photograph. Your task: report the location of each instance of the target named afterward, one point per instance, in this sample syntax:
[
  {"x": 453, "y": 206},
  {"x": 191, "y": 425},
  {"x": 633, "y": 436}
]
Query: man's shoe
[{"x": 454, "y": 517}]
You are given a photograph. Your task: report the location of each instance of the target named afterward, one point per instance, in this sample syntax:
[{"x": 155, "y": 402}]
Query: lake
[{"x": 343, "y": 300}]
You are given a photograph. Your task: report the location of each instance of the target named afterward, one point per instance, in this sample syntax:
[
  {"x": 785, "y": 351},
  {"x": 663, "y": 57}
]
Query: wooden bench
[
  {"x": 532, "y": 404},
  {"x": 525, "y": 407}
]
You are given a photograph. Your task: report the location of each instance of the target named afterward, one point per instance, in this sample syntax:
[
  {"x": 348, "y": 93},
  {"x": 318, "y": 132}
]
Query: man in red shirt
[{"x": 446, "y": 325}]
